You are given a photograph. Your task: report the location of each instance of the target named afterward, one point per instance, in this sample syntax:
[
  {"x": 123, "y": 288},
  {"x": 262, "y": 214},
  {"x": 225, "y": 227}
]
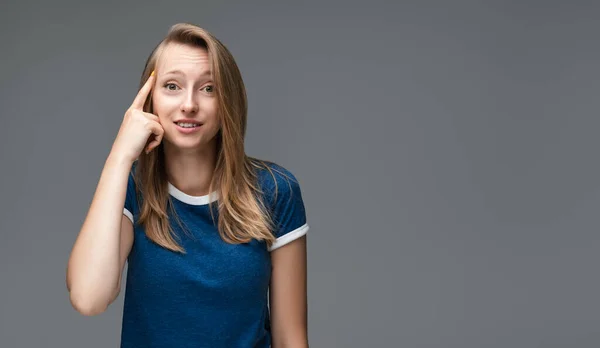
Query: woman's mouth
[{"x": 186, "y": 127}]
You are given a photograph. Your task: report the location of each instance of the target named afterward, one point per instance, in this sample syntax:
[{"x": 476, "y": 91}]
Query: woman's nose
[{"x": 190, "y": 105}]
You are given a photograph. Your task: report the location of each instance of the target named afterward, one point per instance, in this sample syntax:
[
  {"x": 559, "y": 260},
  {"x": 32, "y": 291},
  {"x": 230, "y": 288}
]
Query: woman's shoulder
[
  {"x": 277, "y": 183},
  {"x": 272, "y": 174}
]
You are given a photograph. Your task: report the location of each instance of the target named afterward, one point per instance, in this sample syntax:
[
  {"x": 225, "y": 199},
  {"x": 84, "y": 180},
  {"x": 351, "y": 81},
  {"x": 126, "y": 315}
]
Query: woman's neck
[{"x": 190, "y": 171}]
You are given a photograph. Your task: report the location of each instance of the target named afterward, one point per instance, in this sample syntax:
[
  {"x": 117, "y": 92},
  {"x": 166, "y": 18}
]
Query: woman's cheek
[{"x": 160, "y": 106}]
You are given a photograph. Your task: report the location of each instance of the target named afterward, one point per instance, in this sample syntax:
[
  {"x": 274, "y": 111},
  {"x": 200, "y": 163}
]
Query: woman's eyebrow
[{"x": 179, "y": 72}]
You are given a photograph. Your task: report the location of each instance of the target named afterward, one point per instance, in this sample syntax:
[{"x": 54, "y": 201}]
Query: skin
[
  {"x": 190, "y": 160},
  {"x": 287, "y": 295}
]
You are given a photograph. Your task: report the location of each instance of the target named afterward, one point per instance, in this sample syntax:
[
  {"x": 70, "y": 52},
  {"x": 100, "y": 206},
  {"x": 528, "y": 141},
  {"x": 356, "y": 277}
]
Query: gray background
[{"x": 446, "y": 152}]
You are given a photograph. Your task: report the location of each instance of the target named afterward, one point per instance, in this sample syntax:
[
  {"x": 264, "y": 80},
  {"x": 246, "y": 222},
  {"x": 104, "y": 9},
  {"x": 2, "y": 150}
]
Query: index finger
[{"x": 138, "y": 102}]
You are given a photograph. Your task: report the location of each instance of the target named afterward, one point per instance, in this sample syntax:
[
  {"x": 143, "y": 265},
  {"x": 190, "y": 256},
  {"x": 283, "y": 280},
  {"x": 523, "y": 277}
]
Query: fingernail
[{"x": 152, "y": 74}]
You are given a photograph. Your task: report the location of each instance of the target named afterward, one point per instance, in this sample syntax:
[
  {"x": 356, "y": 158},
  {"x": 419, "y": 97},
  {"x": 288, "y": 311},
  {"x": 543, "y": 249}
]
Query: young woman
[{"x": 215, "y": 240}]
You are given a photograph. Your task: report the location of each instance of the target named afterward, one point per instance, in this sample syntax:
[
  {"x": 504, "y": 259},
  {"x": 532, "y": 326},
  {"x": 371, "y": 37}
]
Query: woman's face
[{"x": 184, "y": 90}]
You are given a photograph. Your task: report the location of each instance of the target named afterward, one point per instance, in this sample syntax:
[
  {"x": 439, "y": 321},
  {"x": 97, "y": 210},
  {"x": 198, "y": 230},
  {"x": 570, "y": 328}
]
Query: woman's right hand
[{"x": 137, "y": 126}]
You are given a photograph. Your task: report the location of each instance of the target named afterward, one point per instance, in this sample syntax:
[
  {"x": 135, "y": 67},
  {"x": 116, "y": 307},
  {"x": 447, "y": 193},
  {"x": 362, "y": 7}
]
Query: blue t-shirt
[{"x": 216, "y": 295}]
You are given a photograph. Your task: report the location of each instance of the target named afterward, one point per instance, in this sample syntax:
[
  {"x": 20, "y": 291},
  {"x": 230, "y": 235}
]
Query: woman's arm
[
  {"x": 288, "y": 295},
  {"x": 98, "y": 256}
]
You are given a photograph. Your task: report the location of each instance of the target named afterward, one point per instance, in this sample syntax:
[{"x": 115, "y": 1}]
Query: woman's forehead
[{"x": 184, "y": 59}]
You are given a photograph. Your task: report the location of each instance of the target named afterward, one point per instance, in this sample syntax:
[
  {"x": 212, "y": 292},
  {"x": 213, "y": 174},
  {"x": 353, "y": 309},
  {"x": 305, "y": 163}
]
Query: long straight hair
[{"x": 243, "y": 214}]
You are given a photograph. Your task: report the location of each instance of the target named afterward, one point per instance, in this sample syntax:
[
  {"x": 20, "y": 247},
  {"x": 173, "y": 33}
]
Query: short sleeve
[
  {"x": 130, "y": 200},
  {"x": 289, "y": 215}
]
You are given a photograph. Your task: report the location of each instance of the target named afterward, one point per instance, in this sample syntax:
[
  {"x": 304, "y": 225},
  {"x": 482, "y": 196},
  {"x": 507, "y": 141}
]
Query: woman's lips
[{"x": 188, "y": 130}]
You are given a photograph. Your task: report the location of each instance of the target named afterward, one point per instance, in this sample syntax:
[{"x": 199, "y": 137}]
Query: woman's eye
[
  {"x": 173, "y": 87},
  {"x": 170, "y": 84}
]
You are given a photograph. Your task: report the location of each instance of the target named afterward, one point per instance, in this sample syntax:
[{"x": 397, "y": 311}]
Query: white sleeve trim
[
  {"x": 127, "y": 213},
  {"x": 289, "y": 237}
]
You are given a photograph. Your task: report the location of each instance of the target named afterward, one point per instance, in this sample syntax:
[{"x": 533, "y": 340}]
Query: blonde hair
[{"x": 243, "y": 215}]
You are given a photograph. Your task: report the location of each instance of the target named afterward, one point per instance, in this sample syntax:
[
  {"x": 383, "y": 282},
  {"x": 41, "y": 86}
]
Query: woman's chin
[{"x": 181, "y": 143}]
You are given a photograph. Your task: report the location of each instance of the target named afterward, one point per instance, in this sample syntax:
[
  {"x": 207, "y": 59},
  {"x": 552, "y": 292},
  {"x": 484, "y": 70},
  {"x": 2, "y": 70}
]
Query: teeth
[{"x": 187, "y": 125}]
